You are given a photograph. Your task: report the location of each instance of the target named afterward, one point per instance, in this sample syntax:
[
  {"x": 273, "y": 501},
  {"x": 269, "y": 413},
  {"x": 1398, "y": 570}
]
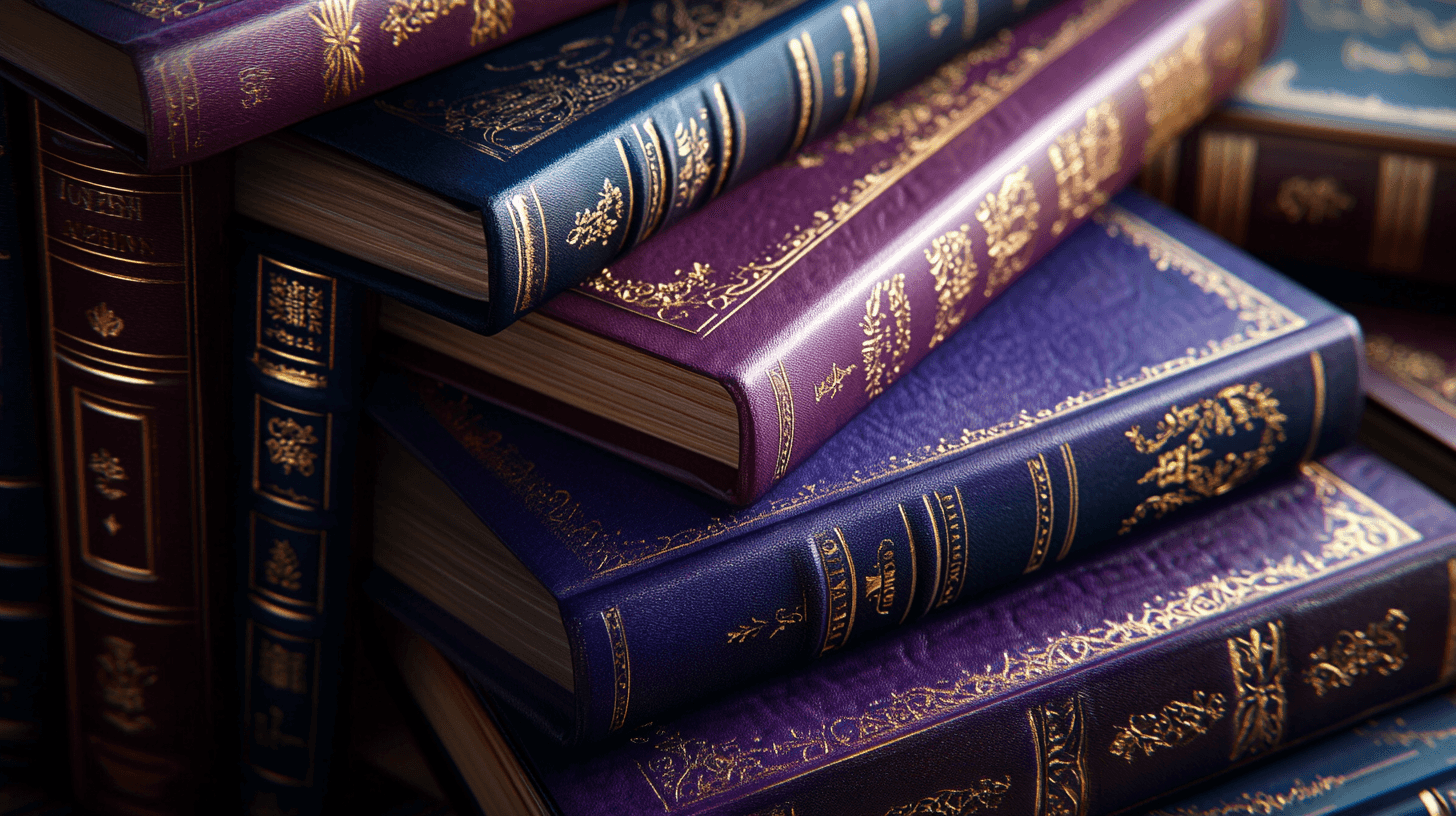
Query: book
[
  {"x": 135, "y": 304},
  {"x": 179, "y": 80},
  {"x": 1305, "y": 605},
  {"x": 1340, "y": 151},
  {"x": 510, "y": 177},
  {"x": 726, "y": 351},
  {"x": 583, "y": 579}
]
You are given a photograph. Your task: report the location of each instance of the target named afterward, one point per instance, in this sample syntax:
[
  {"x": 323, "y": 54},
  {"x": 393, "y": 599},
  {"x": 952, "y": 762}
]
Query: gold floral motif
[
  {"x": 1177, "y": 90},
  {"x": 1009, "y": 218},
  {"x": 123, "y": 684},
  {"x": 833, "y": 382},
  {"x": 1083, "y": 160},
  {"x": 282, "y": 668},
  {"x": 1263, "y": 804},
  {"x": 953, "y": 266},
  {"x": 886, "y": 327},
  {"x": 493, "y": 18},
  {"x": 782, "y": 619},
  {"x": 1312, "y": 201},
  {"x": 985, "y": 794},
  {"x": 694, "y": 150},
  {"x": 1261, "y": 704},
  {"x": 598, "y": 223},
  {"x": 108, "y": 470},
  {"x": 343, "y": 72},
  {"x": 1060, "y": 731},
  {"x": 104, "y": 321},
  {"x": 282, "y": 567},
  {"x": 1380, "y": 648},
  {"x": 1179, "y": 723},
  {"x": 1426, "y": 374},
  {"x": 289, "y": 445},
  {"x": 254, "y": 84}
]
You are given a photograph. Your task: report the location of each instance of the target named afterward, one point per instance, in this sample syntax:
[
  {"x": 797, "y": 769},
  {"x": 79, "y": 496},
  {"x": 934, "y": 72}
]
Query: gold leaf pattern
[
  {"x": 103, "y": 321},
  {"x": 953, "y": 266},
  {"x": 406, "y": 17},
  {"x": 493, "y": 19},
  {"x": 694, "y": 149},
  {"x": 782, "y": 619},
  {"x": 1009, "y": 218},
  {"x": 108, "y": 471},
  {"x": 1435, "y": 380},
  {"x": 289, "y": 445},
  {"x": 833, "y": 382},
  {"x": 886, "y": 326},
  {"x": 598, "y": 223},
  {"x": 985, "y": 794},
  {"x": 1082, "y": 160},
  {"x": 254, "y": 84},
  {"x": 1176, "y": 91},
  {"x": 1262, "y": 705},
  {"x": 1380, "y": 648},
  {"x": 343, "y": 72},
  {"x": 1178, "y": 723}
]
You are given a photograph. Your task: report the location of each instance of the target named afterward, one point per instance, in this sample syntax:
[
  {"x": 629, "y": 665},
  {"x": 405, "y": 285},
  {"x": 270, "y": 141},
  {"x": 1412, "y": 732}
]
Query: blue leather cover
[
  {"x": 1143, "y": 366},
  {"x": 299, "y": 386},
  {"x": 581, "y": 142},
  {"x": 1307, "y": 604}
]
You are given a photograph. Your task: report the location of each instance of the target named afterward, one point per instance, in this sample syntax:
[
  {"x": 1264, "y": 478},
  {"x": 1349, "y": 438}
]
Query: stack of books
[{"x": 722, "y": 407}]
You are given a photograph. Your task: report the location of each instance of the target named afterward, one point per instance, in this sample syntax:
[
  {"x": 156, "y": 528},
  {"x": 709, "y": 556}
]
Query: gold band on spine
[
  {"x": 1226, "y": 183},
  {"x": 1402, "y": 212},
  {"x": 631, "y": 193},
  {"x": 806, "y": 93},
  {"x": 658, "y": 200},
  {"x": 909, "y": 537},
  {"x": 970, "y": 20},
  {"x": 778, "y": 377},
  {"x": 950, "y": 514},
  {"x": 841, "y": 588},
  {"x": 525, "y": 250},
  {"x": 861, "y": 57},
  {"x": 16, "y": 610},
  {"x": 621, "y": 667},
  {"x": 1317, "y": 369},
  {"x": 17, "y": 483},
  {"x": 1448, "y": 665},
  {"x": 542, "y": 279},
  {"x": 1041, "y": 491},
  {"x": 872, "y": 44},
  {"x": 1075, "y": 492},
  {"x": 1434, "y": 802},
  {"x": 725, "y": 130},
  {"x": 1060, "y": 736},
  {"x": 816, "y": 81}
]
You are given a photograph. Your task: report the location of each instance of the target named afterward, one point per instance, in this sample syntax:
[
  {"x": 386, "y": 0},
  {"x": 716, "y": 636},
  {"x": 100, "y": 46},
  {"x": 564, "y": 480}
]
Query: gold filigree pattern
[
  {"x": 953, "y": 266},
  {"x": 1261, "y": 704},
  {"x": 1060, "y": 731},
  {"x": 1082, "y": 161},
  {"x": 282, "y": 668},
  {"x": 406, "y": 17},
  {"x": 886, "y": 327},
  {"x": 254, "y": 84},
  {"x": 985, "y": 794},
  {"x": 493, "y": 19},
  {"x": 343, "y": 72},
  {"x": 1312, "y": 200},
  {"x": 1009, "y": 219},
  {"x": 1424, "y": 373},
  {"x": 1239, "y": 407},
  {"x": 123, "y": 683},
  {"x": 1380, "y": 648},
  {"x": 1178, "y": 723},
  {"x": 778, "y": 378},
  {"x": 103, "y": 321},
  {"x": 1262, "y": 803},
  {"x": 621, "y": 667},
  {"x": 598, "y": 223},
  {"x": 694, "y": 151},
  {"x": 833, "y": 382},
  {"x": 169, "y": 10},
  {"x": 296, "y": 304},
  {"x": 291, "y": 445},
  {"x": 282, "y": 567},
  {"x": 782, "y": 619},
  {"x": 108, "y": 470},
  {"x": 1177, "y": 90}
]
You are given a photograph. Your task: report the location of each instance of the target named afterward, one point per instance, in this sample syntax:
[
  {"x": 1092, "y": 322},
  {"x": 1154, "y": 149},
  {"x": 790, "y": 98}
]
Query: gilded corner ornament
[
  {"x": 886, "y": 327},
  {"x": 291, "y": 445},
  {"x": 1380, "y": 648},
  {"x": 343, "y": 72},
  {"x": 1009, "y": 218},
  {"x": 104, "y": 322},
  {"x": 953, "y": 267},
  {"x": 1261, "y": 704},
  {"x": 1178, "y": 723},
  {"x": 1083, "y": 160},
  {"x": 598, "y": 223}
]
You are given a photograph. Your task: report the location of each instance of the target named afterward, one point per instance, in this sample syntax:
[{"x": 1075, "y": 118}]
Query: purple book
[
  {"x": 181, "y": 80},
  {"x": 1248, "y": 627}
]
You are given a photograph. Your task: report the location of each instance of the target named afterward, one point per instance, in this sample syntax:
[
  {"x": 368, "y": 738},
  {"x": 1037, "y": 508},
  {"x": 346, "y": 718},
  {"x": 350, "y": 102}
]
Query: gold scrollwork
[
  {"x": 1179, "y": 723},
  {"x": 1312, "y": 200},
  {"x": 1060, "y": 731},
  {"x": 833, "y": 382},
  {"x": 886, "y": 327},
  {"x": 1237, "y": 407},
  {"x": 282, "y": 567},
  {"x": 985, "y": 794},
  {"x": 695, "y": 152},
  {"x": 599, "y": 222},
  {"x": 1009, "y": 218},
  {"x": 493, "y": 18},
  {"x": 108, "y": 470},
  {"x": 1177, "y": 90},
  {"x": 1262, "y": 803},
  {"x": 1084, "y": 159},
  {"x": 782, "y": 619},
  {"x": 104, "y": 321},
  {"x": 282, "y": 668},
  {"x": 1261, "y": 704},
  {"x": 1380, "y": 648},
  {"x": 343, "y": 72},
  {"x": 953, "y": 266},
  {"x": 290, "y": 445},
  {"x": 254, "y": 83},
  {"x": 123, "y": 685}
]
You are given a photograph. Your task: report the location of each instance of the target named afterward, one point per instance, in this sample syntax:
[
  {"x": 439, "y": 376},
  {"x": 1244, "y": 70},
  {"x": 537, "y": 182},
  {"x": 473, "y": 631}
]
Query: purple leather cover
[
  {"x": 812, "y": 289},
  {"x": 1308, "y": 604},
  {"x": 1412, "y": 359},
  {"x": 217, "y": 74}
]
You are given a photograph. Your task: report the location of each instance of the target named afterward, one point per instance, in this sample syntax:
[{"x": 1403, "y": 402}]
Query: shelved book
[
  {"x": 1168, "y": 659},
  {"x": 583, "y": 579}
]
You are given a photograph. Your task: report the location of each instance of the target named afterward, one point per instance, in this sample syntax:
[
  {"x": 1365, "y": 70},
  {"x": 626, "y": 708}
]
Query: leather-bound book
[
  {"x": 1142, "y": 367},
  {"x": 1341, "y": 150},
  {"x": 511, "y": 177},
  {"x": 1303, "y": 606},
  {"x": 182, "y": 80},
  {"x": 136, "y": 330},
  {"x": 725, "y": 351}
]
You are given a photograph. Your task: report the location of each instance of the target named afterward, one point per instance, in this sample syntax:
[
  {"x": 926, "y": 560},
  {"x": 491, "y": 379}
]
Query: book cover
[{"x": 1142, "y": 367}]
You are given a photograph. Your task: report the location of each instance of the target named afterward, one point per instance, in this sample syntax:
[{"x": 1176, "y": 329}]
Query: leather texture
[
  {"x": 1021, "y": 440},
  {"x": 1163, "y": 661},
  {"x": 580, "y": 144},
  {"x": 217, "y": 74},
  {"x": 1412, "y": 358}
]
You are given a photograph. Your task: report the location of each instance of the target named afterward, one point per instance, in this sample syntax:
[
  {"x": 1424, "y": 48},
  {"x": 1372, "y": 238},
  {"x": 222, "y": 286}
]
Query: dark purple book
[{"x": 1308, "y": 604}]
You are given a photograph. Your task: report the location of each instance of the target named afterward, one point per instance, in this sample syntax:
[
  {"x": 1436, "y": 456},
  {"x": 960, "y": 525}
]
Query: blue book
[{"x": 1142, "y": 367}]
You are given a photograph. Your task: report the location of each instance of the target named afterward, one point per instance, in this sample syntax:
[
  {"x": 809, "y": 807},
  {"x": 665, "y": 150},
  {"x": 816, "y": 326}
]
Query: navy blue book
[{"x": 1142, "y": 367}]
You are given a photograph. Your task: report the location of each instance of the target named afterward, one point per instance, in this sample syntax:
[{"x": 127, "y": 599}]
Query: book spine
[
  {"x": 977, "y": 238},
  {"x": 653, "y": 163},
  {"x": 1294, "y": 195},
  {"x": 298, "y": 373},
  {"x": 136, "y": 323},
  {"x": 856, "y": 568},
  {"x": 25, "y": 611}
]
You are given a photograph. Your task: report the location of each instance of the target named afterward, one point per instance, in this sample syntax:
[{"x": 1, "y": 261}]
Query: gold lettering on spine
[
  {"x": 1084, "y": 159},
  {"x": 343, "y": 72},
  {"x": 1073, "y": 505},
  {"x": 861, "y": 59},
  {"x": 778, "y": 377},
  {"x": 1317, "y": 420},
  {"x": 728, "y": 161},
  {"x": 1041, "y": 491},
  {"x": 1179, "y": 723},
  {"x": 1402, "y": 212},
  {"x": 970, "y": 19},
  {"x": 840, "y": 588},
  {"x": 1176, "y": 91},
  {"x": 783, "y": 618},
  {"x": 1226, "y": 183},
  {"x": 806, "y": 93},
  {"x": 985, "y": 794},
  {"x": 949, "y": 519},
  {"x": 1009, "y": 218},
  {"x": 621, "y": 667},
  {"x": 1448, "y": 664},
  {"x": 1261, "y": 704},
  {"x": 1380, "y": 648},
  {"x": 1059, "y": 731},
  {"x": 872, "y": 45}
]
